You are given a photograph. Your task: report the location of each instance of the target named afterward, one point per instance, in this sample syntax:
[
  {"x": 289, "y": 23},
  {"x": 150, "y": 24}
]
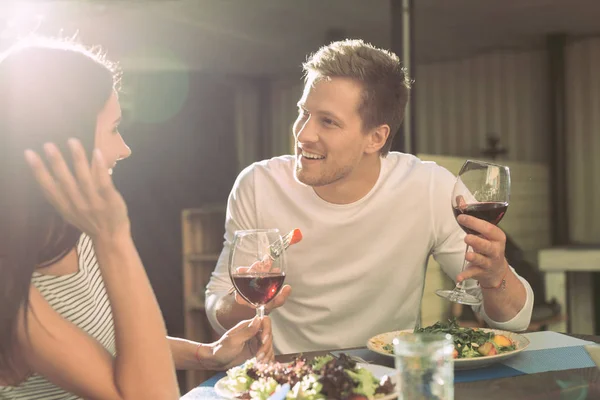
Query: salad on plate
[
  {"x": 468, "y": 342},
  {"x": 323, "y": 378}
]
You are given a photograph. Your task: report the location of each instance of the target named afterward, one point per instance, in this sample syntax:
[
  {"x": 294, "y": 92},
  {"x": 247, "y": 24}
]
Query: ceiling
[
  {"x": 274, "y": 36},
  {"x": 458, "y": 28}
]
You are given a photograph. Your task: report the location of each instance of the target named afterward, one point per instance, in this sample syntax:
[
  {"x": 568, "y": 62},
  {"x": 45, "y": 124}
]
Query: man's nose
[{"x": 307, "y": 132}]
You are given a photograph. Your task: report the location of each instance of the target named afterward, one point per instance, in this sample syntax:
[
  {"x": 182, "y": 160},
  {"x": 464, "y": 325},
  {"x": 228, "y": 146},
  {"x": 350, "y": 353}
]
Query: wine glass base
[{"x": 460, "y": 297}]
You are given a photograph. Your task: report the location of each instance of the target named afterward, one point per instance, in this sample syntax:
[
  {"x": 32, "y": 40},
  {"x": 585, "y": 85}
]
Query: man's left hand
[{"x": 487, "y": 263}]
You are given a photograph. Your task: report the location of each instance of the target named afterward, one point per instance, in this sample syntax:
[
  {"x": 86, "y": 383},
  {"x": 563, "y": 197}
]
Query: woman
[{"x": 78, "y": 318}]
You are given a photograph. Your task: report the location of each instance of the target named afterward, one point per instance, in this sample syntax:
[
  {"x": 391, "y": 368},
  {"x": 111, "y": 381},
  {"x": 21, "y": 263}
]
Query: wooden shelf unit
[{"x": 202, "y": 236}]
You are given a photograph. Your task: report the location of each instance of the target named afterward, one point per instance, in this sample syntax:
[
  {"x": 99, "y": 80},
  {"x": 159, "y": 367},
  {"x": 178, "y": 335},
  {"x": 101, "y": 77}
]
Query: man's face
[{"x": 330, "y": 140}]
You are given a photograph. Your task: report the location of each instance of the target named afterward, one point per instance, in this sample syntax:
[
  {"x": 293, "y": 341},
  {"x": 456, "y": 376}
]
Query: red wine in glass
[
  {"x": 481, "y": 190},
  {"x": 258, "y": 289},
  {"x": 491, "y": 211},
  {"x": 255, "y": 272}
]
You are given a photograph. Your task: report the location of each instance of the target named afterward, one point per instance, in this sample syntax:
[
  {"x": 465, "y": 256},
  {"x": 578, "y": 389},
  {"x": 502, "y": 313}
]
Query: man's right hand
[{"x": 232, "y": 308}]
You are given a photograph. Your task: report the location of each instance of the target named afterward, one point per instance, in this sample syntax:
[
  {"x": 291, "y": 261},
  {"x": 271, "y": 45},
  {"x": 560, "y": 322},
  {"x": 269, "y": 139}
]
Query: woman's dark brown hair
[{"x": 50, "y": 90}]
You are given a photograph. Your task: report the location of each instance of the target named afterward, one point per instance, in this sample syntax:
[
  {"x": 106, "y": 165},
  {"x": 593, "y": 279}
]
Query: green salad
[
  {"x": 468, "y": 342},
  {"x": 323, "y": 378}
]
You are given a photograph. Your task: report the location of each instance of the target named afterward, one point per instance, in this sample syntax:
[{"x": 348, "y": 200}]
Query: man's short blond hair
[{"x": 386, "y": 84}]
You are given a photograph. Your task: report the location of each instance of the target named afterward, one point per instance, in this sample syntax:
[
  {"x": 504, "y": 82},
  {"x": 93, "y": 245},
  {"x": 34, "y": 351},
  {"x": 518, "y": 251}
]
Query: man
[{"x": 369, "y": 218}]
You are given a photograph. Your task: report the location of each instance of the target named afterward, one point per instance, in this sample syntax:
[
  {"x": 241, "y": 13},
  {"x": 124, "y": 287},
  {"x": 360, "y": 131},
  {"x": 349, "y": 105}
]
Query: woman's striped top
[{"x": 80, "y": 298}]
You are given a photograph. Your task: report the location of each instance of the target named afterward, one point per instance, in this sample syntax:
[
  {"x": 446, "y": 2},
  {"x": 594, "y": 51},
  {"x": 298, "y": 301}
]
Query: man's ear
[{"x": 377, "y": 138}]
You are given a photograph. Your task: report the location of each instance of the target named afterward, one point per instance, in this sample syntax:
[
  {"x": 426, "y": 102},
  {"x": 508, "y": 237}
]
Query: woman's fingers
[
  {"x": 102, "y": 178},
  {"x": 83, "y": 173},
  {"x": 49, "y": 186},
  {"x": 265, "y": 351},
  {"x": 85, "y": 196},
  {"x": 64, "y": 177}
]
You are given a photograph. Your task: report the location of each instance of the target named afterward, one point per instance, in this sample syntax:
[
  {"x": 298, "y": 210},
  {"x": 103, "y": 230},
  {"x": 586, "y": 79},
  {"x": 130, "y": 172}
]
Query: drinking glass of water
[{"x": 425, "y": 366}]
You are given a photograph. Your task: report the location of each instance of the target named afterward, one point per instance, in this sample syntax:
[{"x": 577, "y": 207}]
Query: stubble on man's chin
[
  {"x": 297, "y": 173},
  {"x": 303, "y": 181},
  {"x": 298, "y": 176}
]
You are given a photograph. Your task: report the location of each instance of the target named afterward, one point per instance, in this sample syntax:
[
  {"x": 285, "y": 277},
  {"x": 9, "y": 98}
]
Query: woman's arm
[{"x": 57, "y": 349}]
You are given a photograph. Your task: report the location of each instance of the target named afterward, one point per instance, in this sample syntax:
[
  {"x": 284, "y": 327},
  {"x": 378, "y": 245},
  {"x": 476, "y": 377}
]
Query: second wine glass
[
  {"x": 482, "y": 190},
  {"x": 257, "y": 266}
]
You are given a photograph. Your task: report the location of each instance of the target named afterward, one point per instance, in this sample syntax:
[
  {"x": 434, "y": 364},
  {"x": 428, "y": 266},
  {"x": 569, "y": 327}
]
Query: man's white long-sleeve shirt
[{"x": 360, "y": 268}]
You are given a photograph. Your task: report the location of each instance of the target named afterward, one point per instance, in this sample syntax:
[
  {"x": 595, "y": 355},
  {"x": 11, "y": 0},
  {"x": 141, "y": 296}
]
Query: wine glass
[
  {"x": 482, "y": 190},
  {"x": 257, "y": 266}
]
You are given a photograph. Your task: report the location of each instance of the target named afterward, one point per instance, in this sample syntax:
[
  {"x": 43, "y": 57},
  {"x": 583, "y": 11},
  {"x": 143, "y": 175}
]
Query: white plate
[
  {"x": 377, "y": 342},
  {"x": 222, "y": 390},
  {"x": 377, "y": 370}
]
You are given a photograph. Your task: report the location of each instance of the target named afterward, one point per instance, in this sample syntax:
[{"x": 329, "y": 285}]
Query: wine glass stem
[
  {"x": 260, "y": 311},
  {"x": 460, "y": 285}
]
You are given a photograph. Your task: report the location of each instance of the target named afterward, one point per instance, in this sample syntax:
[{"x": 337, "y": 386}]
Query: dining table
[{"x": 568, "y": 372}]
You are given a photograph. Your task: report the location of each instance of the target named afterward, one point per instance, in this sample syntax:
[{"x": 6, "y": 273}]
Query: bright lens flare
[{"x": 22, "y": 18}]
